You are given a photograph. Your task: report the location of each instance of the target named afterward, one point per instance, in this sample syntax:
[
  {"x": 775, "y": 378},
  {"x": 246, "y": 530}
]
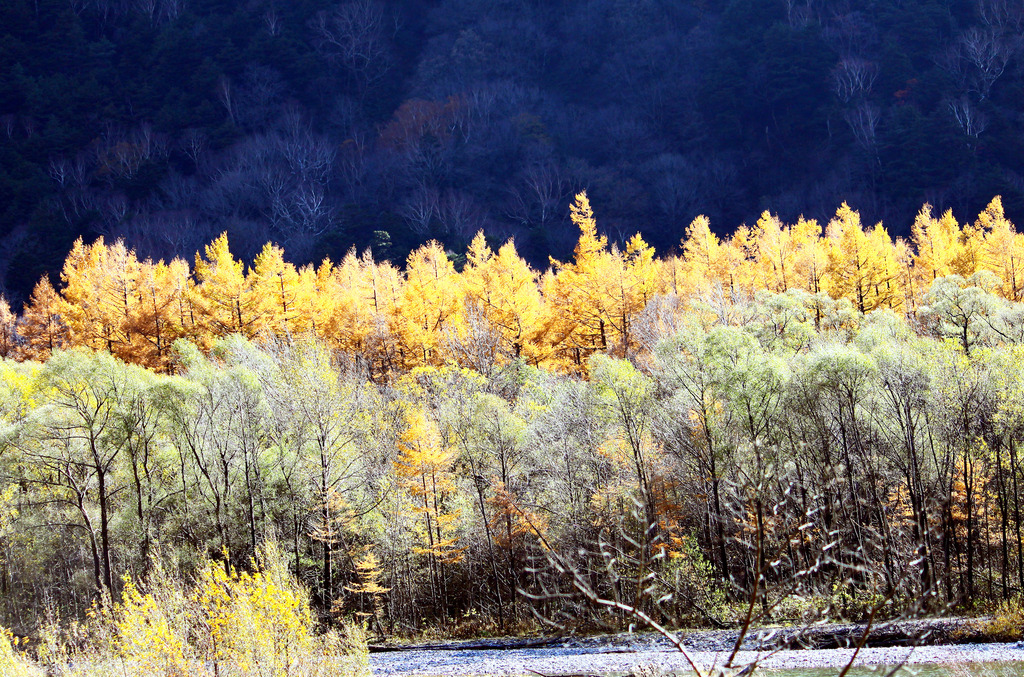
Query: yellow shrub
[
  {"x": 1007, "y": 623},
  {"x": 151, "y": 630},
  {"x": 230, "y": 624},
  {"x": 12, "y": 663},
  {"x": 258, "y": 623}
]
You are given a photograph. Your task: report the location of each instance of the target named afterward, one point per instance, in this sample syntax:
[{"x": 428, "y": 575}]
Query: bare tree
[
  {"x": 309, "y": 156},
  {"x": 853, "y": 78},
  {"x": 193, "y": 143},
  {"x": 539, "y": 195},
  {"x": 420, "y": 209},
  {"x": 971, "y": 121},
  {"x": 979, "y": 58},
  {"x": 863, "y": 120},
  {"x": 1006, "y": 16},
  {"x": 357, "y": 35},
  {"x": 460, "y": 217},
  {"x": 114, "y": 210},
  {"x": 272, "y": 22},
  {"x": 225, "y": 94},
  {"x": 60, "y": 170},
  {"x": 148, "y": 8}
]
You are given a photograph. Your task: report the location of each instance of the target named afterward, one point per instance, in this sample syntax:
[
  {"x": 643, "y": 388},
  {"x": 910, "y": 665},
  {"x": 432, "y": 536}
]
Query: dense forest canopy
[
  {"x": 959, "y": 280},
  {"x": 320, "y": 124},
  {"x": 463, "y": 385},
  {"x": 837, "y": 466},
  {"x": 792, "y": 423}
]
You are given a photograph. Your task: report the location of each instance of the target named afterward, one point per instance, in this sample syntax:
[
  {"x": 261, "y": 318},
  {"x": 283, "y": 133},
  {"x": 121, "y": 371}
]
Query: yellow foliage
[
  {"x": 1007, "y": 623},
  {"x": 12, "y": 663},
  {"x": 224, "y": 296},
  {"x": 229, "y": 624},
  {"x": 151, "y": 629},
  {"x": 258, "y": 623},
  {"x": 425, "y": 470},
  {"x": 503, "y": 289},
  {"x": 432, "y": 301},
  {"x": 498, "y": 308},
  {"x": 593, "y": 301},
  {"x": 368, "y": 573},
  {"x": 275, "y": 286},
  {"x": 41, "y": 325}
]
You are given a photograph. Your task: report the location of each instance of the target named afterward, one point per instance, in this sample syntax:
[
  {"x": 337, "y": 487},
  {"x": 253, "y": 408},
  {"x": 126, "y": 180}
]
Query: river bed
[{"x": 960, "y": 660}]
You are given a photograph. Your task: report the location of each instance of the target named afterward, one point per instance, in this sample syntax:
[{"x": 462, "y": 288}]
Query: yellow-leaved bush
[
  {"x": 152, "y": 627},
  {"x": 257, "y": 623},
  {"x": 230, "y": 623},
  {"x": 12, "y": 663}
]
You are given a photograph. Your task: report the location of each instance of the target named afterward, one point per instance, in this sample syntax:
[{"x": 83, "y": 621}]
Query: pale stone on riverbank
[{"x": 593, "y": 661}]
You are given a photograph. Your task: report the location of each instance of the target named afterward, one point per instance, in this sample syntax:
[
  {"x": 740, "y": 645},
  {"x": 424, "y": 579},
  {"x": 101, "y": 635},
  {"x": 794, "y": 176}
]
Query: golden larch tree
[
  {"x": 100, "y": 291},
  {"x": 224, "y": 298},
  {"x": 274, "y": 283},
  {"x": 431, "y": 302},
  {"x": 775, "y": 253},
  {"x": 850, "y": 267},
  {"x": 503, "y": 289},
  {"x": 425, "y": 470},
  {"x": 1002, "y": 251},
  {"x": 41, "y": 325},
  {"x": 578, "y": 294},
  {"x": 706, "y": 262},
  {"x": 159, "y": 321},
  {"x": 937, "y": 246}
]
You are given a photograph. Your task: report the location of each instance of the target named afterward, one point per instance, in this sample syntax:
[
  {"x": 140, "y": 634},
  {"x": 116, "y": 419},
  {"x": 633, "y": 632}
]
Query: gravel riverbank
[
  {"x": 577, "y": 661},
  {"x": 620, "y": 654}
]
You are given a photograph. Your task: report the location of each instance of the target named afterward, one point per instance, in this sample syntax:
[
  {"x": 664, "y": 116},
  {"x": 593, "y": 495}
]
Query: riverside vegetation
[
  {"x": 227, "y": 623},
  {"x": 781, "y": 426}
]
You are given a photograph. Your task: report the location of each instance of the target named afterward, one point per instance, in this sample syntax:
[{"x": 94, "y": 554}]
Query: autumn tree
[
  {"x": 165, "y": 311},
  {"x": 704, "y": 256},
  {"x": 593, "y": 301},
  {"x": 1002, "y": 250},
  {"x": 504, "y": 290},
  {"x": 100, "y": 291},
  {"x": 425, "y": 469},
  {"x": 431, "y": 301},
  {"x": 8, "y": 335},
  {"x": 357, "y": 305},
  {"x": 862, "y": 266},
  {"x": 274, "y": 285},
  {"x": 41, "y": 324},
  {"x": 936, "y": 245},
  {"x": 224, "y": 296},
  {"x": 775, "y": 253}
]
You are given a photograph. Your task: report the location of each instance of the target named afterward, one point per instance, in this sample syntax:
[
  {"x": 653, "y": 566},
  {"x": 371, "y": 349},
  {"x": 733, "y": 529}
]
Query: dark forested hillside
[{"x": 321, "y": 125}]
